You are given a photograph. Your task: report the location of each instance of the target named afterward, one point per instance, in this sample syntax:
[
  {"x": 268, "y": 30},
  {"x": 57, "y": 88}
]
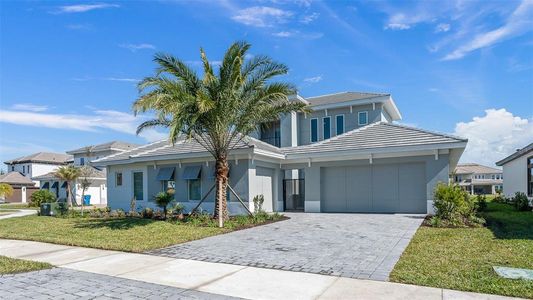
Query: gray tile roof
[
  {"x": 181, "y": 147},
  {"x": 15, "y": 178},
  {"x": 91, "y": 171},
  {"x": 375, "y": 136},
  {"x": 42, "y": 157},
  {"x": 104, "y": 147},
  {"x": 471, "y": 168},
  {"x": 341, "y": 97},
  {"x": 516, "y": 155}
]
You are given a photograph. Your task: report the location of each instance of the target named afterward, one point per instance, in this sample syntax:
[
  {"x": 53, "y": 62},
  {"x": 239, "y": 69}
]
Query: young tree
[
  {"x": 218, "y": 109},
  {"x": 5, "y": 190},
  {"x": 68, "y": 174},
  {"x": 163, "y": 199},
  {"x": 85, "y": 181}
]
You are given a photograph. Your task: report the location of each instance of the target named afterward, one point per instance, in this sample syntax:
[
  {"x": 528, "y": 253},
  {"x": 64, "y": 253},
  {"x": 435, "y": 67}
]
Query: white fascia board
[
  {"x": 392, "y": 109},
  {"x": 377, "y": 151}
]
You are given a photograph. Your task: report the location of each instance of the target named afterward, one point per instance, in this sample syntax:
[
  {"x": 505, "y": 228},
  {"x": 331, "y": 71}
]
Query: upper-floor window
[
  {"x": 339, "y": 120},
  {"x": 23, "y": 169},
  {"x": 314, "y": 130},
  {"x": 362, "y": 117},
  {"x": 530, "y": 176},
  {"x": 12, "y": 168},
  {"x": 82, "y": 161},
  {"x": 327, "y": 127}
]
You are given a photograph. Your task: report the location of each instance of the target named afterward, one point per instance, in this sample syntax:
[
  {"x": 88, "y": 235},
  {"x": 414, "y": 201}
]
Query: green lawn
[
  {"x": 462, "y": 258},
  {"x": 124, "y": 234},
  {"x": 12, "y": 265}
]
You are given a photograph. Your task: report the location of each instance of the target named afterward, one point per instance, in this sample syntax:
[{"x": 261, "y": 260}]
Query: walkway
[
  {"x": 19, "y": 213},
  {"x": 214, "y": 278}
]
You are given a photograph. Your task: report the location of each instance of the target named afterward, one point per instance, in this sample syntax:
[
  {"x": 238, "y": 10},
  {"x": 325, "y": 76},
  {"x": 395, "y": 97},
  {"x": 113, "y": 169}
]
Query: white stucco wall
[{"x": 515, "y": 176}]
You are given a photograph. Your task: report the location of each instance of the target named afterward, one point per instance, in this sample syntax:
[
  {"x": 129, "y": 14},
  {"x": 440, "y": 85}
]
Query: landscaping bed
[
  {"x": 462, "y": 258},
  {"x": 13, "y": 265},
  {"x": 133, "y": 234}
]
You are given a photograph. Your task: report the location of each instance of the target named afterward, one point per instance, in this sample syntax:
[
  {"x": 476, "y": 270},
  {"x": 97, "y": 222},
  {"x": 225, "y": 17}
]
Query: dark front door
[{"x": 293, "y": 194}]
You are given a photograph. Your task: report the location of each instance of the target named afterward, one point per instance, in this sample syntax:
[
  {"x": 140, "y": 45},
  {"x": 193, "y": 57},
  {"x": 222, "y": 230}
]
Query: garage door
[
  {"x": 374, "y": 188},
  {"x": 264, "y": 179}
]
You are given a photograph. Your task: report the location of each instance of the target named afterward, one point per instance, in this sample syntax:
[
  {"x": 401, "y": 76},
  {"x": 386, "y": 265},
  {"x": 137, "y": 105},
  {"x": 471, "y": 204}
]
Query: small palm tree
[
  {"x": 163, "y": 199},
  {"x": 68, "y": 174},
  {"x": 218, "y": 109},
  {"x": 5, "y": 190}
]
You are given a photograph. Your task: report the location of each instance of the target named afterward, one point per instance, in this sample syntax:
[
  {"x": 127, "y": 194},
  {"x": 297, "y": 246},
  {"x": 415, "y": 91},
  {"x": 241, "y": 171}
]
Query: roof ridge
[
  {"x": 348, "y": 92},
  {"x": 156, "y": 149},
  {"x": 427, "y": 131},
  {"x": 129, "y": 150}
]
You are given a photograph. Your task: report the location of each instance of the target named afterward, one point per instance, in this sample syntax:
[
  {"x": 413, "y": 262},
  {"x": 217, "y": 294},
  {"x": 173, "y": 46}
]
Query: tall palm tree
[
  {"x": 68, "y": 174},
  {"x": 218, "y": 109}
]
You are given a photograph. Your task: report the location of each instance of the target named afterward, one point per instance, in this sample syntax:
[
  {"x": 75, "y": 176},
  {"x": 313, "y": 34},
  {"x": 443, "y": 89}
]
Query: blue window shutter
[
  {"x": 340, "y": 124},
  {"x": 327, "y": 127},
  {"x": 314, "y": 130}
]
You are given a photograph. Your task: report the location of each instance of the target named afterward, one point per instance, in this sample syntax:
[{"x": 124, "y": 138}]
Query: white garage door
[
  {"x": 374, "y": 188},
  {"x": 264, "y": 179}
]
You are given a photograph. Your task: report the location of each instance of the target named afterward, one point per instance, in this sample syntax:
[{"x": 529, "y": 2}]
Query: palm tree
[
  {"x": 68, "y": 174},
  {"x": 220, "y": 108},
  {"x": 5, "y": 190}
]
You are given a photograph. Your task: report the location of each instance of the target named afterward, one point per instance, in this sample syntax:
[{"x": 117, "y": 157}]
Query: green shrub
[
  {"x": 147, "y": 213},
  {"x": 454, "y": 207},
  {"x": 40, "y": 197},
  {"x": 520, "y": 201},
  {"x": 481, "y": 202}
]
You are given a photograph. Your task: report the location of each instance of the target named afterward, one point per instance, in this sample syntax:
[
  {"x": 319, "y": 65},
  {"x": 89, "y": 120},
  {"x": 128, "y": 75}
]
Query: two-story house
[
  {"x": 478, "y": 179},
  {"x": 96, "y": 177},
  {"x": 37, "y": 164},
  {"x": 347, "y": 155},
  {"x": 518, "y": 172}
]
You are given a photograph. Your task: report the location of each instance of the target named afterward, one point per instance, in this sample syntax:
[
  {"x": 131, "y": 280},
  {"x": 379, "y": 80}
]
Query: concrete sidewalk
[
  {"x": 19, "y": 213},
  {"x": 222, "y": 279}
]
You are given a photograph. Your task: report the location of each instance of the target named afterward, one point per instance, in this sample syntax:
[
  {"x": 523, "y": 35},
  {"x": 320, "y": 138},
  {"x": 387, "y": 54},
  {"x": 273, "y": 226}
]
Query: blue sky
[{"x": 68, "y": 70}]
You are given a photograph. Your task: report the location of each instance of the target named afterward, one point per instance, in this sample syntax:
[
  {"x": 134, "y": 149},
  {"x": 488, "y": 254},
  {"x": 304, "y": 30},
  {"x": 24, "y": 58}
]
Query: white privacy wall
[{"x": 515, "y": 176}]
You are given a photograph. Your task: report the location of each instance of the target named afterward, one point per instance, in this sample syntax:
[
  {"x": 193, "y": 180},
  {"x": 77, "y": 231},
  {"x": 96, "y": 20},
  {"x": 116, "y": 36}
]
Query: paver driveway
[{"x": 365, "y": 246}]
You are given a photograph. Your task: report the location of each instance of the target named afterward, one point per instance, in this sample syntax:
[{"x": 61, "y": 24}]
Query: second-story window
[
  {"x": 314, "y": 130},
  {"x": 327, "y": 127},
  {"x": 82, "y": 161},
  {"x": 23, "y": 169},
  {"x": 339, "y": 120},
  {"x": 362, "y": 118}
]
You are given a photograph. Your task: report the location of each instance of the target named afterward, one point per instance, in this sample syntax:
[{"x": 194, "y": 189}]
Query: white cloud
[
  {"x": 79, "y": 8},
  {"x": 79, "y": 26},
  {"x": 29, "y": 107},
  {"x": 121, "y": 79},
  {"x": 519, "y": 22},
  {"x": 313, "y": 79},
  {"x": 283, "y": 34},
  {"x": 261, "y": 16},
  {"x": 397, "y": 26},
  {"x": 135, "y": 47},
  {"x": 93, "y": 121},
  {"x": 494, "y": 136},
  {"x": 443, "y": 27},
  {"x": 309, "y": 18}
]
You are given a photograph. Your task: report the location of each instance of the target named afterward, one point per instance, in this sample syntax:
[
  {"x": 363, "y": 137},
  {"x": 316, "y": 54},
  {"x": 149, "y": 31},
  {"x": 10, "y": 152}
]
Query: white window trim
[
  {"x": 133, "y": 183},
  {"x": 323, "y": 129},
  {"x": 189, "y": 189},
  {"x": 311, "y": 130},
  {"x": 343, "y": 124},
  {"x": 359, "y": 118}
]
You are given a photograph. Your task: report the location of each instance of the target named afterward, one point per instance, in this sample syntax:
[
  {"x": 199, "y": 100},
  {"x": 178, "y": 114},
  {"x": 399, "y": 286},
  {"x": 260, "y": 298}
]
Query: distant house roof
[
  {"x": 516, "y": 155},
  {"x": 42, "y": 157},
  {"x": 379, "y": 135},
  {"x": 355, "y": 98},
  {"x": 472, "y": 168},
  {"x": 182, "y": 147},
  {"x": 15, "y": 178},
  {"x": 113, "y": 145}
]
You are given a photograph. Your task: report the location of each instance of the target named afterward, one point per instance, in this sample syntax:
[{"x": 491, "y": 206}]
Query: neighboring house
[
  {"x": 22, "y": 186},
  {"x": 96, "y": 176},
  {"x": 479, "y": 179},
  {"x": 345, "y": 156},
  {"x": 518, "y": 172},
  {"x": 38, "y": 164}
]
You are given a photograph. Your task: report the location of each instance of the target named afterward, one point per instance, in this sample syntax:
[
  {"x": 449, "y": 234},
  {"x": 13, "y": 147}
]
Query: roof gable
[
  {"x": 15, "y": 178},
  {"x": 517, "y": 154}
]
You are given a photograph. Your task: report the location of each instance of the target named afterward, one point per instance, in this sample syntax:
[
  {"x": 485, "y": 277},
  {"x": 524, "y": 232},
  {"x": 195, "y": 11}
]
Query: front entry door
[{"x": 293, "y": 194}]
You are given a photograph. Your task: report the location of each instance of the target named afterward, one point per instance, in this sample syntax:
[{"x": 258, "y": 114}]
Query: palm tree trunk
[
  {"x": 221, "y": 205},
  {"x": 69, "y": 194}
]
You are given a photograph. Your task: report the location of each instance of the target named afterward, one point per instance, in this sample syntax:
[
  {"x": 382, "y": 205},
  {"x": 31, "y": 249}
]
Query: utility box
[{"x": 46, "y": 209}]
